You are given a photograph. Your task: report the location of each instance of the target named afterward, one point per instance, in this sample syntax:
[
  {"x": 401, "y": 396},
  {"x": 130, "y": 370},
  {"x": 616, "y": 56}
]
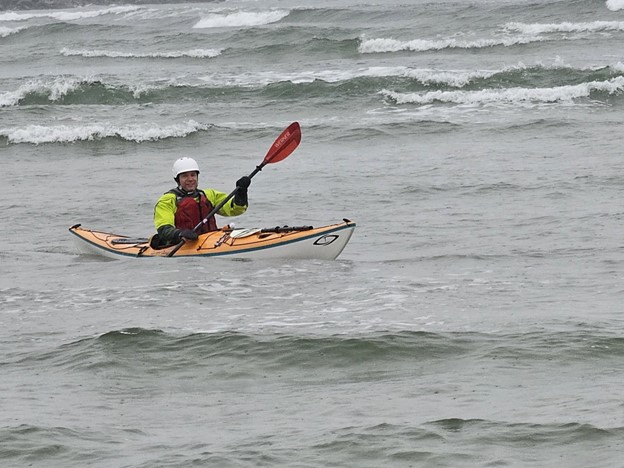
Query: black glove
[
  {"x": 243, "y": 183},
  {"x": 241, "y": 193},
  {"x": 240, "y": 198},
  {"x": 188, "y": 234}
]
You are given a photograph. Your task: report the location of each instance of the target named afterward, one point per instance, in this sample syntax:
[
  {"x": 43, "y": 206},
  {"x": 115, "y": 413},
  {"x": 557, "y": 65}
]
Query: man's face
[{"x": 188, "y": 181}]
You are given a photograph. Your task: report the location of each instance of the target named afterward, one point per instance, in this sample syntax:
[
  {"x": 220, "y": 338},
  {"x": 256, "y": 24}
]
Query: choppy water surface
[{"x": 475, "y": 318}]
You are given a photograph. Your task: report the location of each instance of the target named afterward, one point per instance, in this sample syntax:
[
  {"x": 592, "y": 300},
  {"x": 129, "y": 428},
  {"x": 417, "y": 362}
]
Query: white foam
[
  {"x": 381, "y": 45},
  {"x": 426, "y": 76},
  {"x": 457, "y": 78},
  {"x": 39, "y": 134},
  {"x": 68, "y": 15},
  {"x": 511, "y": 95},
  {"x": 55, "y": 89},
  {"x": 4, "y": 31},
  {"x": 538, "y": 28},
  {"x": 241, "y": 19},
  {"x": 615, "y": 5},
  {"x": 192, "y": 53},
  {"x": 450, "y": 77}
]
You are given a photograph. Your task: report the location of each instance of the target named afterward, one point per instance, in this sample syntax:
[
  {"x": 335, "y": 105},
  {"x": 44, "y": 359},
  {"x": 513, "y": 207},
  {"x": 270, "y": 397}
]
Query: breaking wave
[
  {"x": 594, "y": 26},
  {"x": 40, "y": 134},
  {"x": 193, "y": 53},
  {"x": 400, "y": 84},
  {"x": 240, "y": 19},
  {"x": 511, "y": 95},
  {"x": 381, "y": 45},
  {"x": 615, "y": 5},
  {"x": 529, "y": 33},
  {"x": 4, "y": 31},
  {"x": 68, "y": 15}
]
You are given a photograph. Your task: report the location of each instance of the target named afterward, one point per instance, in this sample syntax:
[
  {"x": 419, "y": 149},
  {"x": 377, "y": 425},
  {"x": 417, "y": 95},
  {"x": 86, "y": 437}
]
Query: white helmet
[{"x": 184, "y": 165}]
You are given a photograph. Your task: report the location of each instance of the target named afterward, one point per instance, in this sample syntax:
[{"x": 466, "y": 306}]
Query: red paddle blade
[{"x": 285, "y": 144}]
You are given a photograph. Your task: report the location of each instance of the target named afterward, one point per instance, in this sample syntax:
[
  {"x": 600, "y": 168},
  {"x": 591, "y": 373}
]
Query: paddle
[{"x": 282, "y": 147}]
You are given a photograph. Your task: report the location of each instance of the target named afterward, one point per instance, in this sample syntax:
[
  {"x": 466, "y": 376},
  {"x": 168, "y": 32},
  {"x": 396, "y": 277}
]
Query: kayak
[{"x": 304, "y": 242}]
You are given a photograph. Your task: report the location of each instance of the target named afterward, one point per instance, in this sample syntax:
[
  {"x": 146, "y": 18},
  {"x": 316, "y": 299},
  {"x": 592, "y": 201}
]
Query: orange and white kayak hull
[{"x": 307, "y": 242}]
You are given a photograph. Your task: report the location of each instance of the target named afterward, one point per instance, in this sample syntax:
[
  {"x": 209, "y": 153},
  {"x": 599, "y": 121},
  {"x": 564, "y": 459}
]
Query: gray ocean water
[{"x": 475, "y": 318}]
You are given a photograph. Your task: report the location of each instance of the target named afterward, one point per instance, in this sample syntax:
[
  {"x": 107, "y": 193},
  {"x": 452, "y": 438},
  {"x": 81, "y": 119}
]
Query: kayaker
[{"x": 179, "y": 210}]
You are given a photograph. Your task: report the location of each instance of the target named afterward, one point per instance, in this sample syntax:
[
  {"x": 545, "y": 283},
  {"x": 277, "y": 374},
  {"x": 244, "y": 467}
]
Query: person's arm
[
  {"x": 164, "y": 217},
  {"x": 232, "y": 208}
]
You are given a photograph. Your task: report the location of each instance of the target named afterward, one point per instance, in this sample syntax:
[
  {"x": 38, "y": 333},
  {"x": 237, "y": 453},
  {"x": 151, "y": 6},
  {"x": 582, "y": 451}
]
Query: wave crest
[
  {"x": 615, "y": 5},
  {"x": 192, "y": 53},
  {"x": 39, "y": 134},
  {"x": 68, "y": 15},
  {"x": 510, "y": 95},
  {"x": 538, "y": 28},
  {"x": 381, "y": 45},
  {"x": 240, "y": 19}
]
